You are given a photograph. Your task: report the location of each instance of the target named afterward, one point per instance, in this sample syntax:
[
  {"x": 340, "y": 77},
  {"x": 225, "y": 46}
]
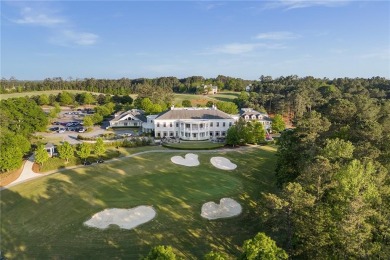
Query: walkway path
[{"x": 28, "y": 174}]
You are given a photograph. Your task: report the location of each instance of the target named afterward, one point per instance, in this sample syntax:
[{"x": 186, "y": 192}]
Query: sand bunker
[
  {"x": 124, "y": 218},
  {"x": 223, "y": 163},
  {"x": 226, "y": 208},
  {"x": 189, "y": 160}
]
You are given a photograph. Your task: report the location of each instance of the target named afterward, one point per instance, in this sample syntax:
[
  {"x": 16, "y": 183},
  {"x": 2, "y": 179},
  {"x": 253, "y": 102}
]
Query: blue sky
[{"x": 134, "y": 39}]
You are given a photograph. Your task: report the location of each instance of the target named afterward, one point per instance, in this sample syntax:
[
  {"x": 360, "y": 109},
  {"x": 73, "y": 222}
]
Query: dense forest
[{"x": 332, "y": 167}]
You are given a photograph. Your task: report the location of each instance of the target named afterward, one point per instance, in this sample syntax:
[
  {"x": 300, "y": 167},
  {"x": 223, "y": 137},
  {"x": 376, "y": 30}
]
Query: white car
[
  {"x": 61, "y": 130},
  {"x": 82, "y": 130}
]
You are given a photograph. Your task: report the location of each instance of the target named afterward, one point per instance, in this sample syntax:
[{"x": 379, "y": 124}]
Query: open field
[
  {"x": 203, "y": 99},
  {"x": 43, "y": 219}
]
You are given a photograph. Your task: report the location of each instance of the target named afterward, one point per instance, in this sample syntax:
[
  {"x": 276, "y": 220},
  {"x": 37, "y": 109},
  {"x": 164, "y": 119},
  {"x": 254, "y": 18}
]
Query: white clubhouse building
[
  {"x": 189, "y": 123},
  {"x": 192, "y": 123}
]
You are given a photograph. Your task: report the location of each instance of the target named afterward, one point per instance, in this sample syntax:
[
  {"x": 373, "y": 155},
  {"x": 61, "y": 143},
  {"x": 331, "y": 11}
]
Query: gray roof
[
  {"x": 250, "y": 112},
  {"x": 136, "y": 113},
  {"x": 193, "y": 113}
]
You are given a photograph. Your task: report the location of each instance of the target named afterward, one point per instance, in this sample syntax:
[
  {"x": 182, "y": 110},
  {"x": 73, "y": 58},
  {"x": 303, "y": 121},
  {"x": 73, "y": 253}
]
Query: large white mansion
[{"x": 188, "y": 123}]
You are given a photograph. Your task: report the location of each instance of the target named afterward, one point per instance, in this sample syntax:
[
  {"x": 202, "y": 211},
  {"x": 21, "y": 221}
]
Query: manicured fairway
[{"x": 43, "y": 219}]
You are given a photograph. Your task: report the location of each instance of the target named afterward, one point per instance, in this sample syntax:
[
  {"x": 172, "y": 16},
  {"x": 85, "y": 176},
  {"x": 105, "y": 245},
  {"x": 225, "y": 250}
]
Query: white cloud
[
  {"x": 35, "y": 17},
  {"x": 61, "y": 30},
  {"x": 81, "y": 38},
  {"x": 241, "y": 48},
  {"x": 277, "y": 36},
  {"x": 294, "y": 4},
  {"x": 70, "y": 37},
  {"x": 236, "y": 48}
]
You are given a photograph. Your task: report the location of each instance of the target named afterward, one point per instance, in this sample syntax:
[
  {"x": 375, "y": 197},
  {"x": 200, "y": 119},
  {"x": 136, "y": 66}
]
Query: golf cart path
[{"x": 28, "y": 174}]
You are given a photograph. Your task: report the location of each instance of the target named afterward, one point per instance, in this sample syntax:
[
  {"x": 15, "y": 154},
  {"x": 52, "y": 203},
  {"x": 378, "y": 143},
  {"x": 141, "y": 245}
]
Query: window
[
  {"x": 125, "y": 124},
  {"x": 165, "y": 134},
  {"x": 170, "y": 133},
  {"x": 158, "y": 134},
  {"x": 223, "y": 124},
  {"x": 223, "y": 133},
  {"x": 216, "y": 133},
  {"x": 177, "y": 124},
  {"x": 194, "y": 135},
  {"x": 211, "y": 124},
  {"x": 217, "y": 124},
  {"x": 158, "y": 124},
  {"x": 170, "y": 124},
  {"x": 165, "y": 125},
  {"x": 188, "y": 125},
  {"x": 230, "y": 124}
]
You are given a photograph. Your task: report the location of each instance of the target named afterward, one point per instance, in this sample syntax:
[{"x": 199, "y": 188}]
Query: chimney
[{"x": 172, "y": 107}]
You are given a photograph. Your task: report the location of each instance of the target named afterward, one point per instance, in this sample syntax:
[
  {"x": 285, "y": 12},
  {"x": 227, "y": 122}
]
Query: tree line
[
  {"x": 123, "y": 86},
  {"x": 333, "y": 174}
]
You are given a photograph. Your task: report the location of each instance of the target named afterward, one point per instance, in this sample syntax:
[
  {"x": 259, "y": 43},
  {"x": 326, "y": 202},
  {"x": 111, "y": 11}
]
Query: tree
[
  {"x": 87, "y": 98},
  {"x": 232, "y": 136},
  {"x": 12, "y": 148},
  {"x": 10, "y": 157},
  {"x": 227, "y": 107},
  {"x": 257, "y": 131},
  {"x": 88, "y": 121},
  {"x": 336, "y": 149},
  {"x": 43, "y": 100},
  {"x": 84, "y": 151},
  {"x": 65, "y": 98},
  {"x": 99, "y": 149},
  {"x": 66, "y": 151},
  {"x": 262, "y": 247},
  {"x": 278, "y": 123},
  {"x": 161, "y": 253},
  {"x": 41, "y": 155},
  {"x": 292, "y": 210},
  {"x": 186, "y": 103}
]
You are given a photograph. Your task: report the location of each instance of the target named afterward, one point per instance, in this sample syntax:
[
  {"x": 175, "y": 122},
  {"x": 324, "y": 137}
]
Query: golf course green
[{"x": 43, "y": 218}]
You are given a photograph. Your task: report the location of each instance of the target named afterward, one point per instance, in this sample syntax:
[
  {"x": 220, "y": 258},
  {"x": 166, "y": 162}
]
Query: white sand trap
[
  {"x": 124, "y": 218},
  {"x": 223, "y": 163},
  {"x": 226, "y": 208},
  {"x": 189, "y": 160}
]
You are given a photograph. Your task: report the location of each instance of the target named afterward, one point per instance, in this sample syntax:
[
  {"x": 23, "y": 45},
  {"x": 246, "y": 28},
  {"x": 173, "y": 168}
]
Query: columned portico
[{"x": 194, "y": 130}]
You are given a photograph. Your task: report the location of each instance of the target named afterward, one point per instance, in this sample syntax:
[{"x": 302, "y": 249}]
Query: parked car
[
  {"x": 81, "y": 130},
  {"x": 56, "y": 128},
  {"x": 87, "y": 163},
  {"x": 100, "y": 161},
  {"x": 61, "y": 130}
]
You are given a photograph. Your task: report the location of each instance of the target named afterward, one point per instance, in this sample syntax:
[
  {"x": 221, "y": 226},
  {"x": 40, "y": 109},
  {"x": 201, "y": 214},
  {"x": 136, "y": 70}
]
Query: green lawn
[
  {"x": 43, "y": 219},
  {"x": 203, "y": 99}
]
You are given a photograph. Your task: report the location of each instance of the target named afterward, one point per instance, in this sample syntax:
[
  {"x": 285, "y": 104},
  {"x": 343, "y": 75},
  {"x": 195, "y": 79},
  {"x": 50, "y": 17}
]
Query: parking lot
[{"x": 68, "y": 125}]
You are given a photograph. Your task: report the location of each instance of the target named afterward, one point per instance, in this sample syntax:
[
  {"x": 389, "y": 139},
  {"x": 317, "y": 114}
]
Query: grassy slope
[
  {"x": 44, "y": 218},
  {"x": 203, "y": 99}
]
